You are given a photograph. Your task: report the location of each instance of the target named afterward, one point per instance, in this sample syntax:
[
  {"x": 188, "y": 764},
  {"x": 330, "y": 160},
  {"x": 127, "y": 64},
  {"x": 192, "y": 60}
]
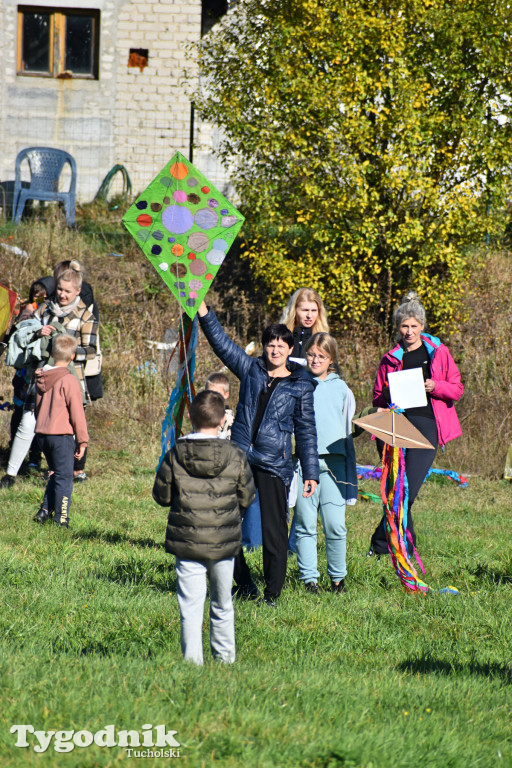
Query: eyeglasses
[{"x": 320, "y": 358}]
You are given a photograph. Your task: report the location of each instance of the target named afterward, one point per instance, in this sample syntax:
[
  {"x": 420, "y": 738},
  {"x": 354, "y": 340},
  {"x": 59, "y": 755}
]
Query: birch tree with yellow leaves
[{"x": 370, "y": 142}]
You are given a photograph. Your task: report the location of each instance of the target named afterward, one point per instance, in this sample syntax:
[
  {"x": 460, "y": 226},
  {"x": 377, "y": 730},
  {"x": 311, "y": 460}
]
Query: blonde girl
[
  {"x": 304, "y": 315},
  {"x": 334, "y": 409},
  {"x": 69, "y": 310}
]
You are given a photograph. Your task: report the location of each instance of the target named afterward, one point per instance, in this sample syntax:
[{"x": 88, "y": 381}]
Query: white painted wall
[{"x": 130, "y": 117}]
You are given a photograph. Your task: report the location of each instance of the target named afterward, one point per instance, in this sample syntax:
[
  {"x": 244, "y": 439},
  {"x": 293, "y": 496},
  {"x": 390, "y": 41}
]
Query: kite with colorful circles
[
  {"x": 8, "y": 301},
  {"x": 185, "y": 228}
]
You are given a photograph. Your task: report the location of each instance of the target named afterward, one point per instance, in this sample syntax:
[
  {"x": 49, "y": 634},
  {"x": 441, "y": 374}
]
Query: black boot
[
  {"x": 338, "y": 586},
  {"x": 247, "y": 591},
  {"x": 42, "y": 516},
  {"x": 372, "y": 553}
]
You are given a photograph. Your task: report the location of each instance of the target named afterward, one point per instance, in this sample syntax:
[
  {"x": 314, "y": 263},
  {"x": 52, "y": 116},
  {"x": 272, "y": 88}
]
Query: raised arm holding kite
[{"x": 185, "y": 227}]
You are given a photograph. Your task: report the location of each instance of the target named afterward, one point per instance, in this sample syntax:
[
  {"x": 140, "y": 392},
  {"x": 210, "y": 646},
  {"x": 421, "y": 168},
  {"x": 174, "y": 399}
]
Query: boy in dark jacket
[
  {"x": 208, "y": 483},
  {"x": 275, "y": 401},
  {"x": 60, "y": 420}
]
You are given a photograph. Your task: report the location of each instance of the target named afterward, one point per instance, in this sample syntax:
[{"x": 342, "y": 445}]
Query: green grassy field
[{"x": 375, "y": 677}]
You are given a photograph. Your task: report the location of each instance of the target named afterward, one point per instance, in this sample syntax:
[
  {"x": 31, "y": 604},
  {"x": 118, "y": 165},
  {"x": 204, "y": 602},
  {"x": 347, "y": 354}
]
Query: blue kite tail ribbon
[
  {"x": 371, "y": 472},
  {"x": 180, "y": 390},
  {"x": 460, "y": 479}
]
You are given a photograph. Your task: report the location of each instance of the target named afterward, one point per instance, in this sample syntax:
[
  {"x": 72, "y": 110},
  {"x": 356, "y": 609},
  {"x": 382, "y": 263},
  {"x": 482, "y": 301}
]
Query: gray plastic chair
[{"x": 46, "y": 166}]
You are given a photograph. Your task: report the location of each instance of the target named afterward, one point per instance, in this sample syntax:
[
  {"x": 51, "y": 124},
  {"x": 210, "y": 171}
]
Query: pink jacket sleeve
[
  {"x": 381, "y": 384},
  {"x": 446, "y": 376}
]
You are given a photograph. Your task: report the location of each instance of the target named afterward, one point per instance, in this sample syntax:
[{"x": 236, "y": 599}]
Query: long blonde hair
[{"x": 305, "y": 294}]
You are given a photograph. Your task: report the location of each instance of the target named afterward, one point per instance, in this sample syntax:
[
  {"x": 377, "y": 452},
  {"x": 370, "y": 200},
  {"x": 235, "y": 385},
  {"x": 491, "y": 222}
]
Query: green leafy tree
[{"x": 370, "y": 142}]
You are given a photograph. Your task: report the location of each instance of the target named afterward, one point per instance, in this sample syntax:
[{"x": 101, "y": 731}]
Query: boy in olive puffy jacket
[{"x": 208, "y": 484}]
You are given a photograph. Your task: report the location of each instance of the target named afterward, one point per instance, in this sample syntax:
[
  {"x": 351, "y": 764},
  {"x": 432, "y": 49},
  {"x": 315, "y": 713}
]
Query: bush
[{"x": 136, "y": 307}]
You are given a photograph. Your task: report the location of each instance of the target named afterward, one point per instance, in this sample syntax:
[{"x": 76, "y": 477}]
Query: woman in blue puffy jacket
[{"x": 275, "y": 401}]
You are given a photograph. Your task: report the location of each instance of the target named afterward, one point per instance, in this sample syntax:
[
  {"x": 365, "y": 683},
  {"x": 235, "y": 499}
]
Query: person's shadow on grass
[
  {"x": 490, "y": 574},
  {"x": 115, "y": 537},
  {"x": 427, "y": 665},
  {"x": 133, "y": 570}
]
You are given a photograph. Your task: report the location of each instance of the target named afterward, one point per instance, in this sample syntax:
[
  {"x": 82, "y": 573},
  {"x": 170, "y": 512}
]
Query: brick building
[{"x": 106, "y": 80}]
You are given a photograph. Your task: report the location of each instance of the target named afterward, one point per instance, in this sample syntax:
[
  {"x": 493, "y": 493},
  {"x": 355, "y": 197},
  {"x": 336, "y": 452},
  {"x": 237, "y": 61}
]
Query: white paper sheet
[{"x": 407, "y": 388}]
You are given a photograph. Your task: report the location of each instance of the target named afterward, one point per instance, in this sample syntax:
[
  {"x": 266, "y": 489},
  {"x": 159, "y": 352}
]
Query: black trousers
[
  {"x": 273, "y": 494},
  {"x": 79, "y": 464},
  {"x": 58, "y": 451},
  {"x": 417, "y": 463}
]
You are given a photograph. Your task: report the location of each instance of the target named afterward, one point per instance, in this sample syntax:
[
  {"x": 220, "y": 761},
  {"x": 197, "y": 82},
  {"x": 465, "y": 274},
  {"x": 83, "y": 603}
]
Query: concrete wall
[{"x": 136, "y": 118}]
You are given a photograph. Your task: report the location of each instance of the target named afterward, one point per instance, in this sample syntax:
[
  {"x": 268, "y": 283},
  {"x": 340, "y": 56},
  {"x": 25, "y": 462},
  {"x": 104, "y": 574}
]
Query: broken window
[{"x": 138, "y": 57}]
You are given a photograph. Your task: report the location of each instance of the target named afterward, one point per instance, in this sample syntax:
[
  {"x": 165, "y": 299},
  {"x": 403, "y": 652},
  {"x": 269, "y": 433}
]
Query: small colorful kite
[
  {"x": 395, "y": 497},
  {"x": 185, "y": 227},
  {"x": 8, "y": 300},
  {"x": 398, "y": 434},
  {"x": 393, "y": 428}
]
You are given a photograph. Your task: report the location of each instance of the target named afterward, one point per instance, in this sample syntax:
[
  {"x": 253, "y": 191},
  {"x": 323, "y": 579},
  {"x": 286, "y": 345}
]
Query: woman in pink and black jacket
[{"x": 437, "y": 421}]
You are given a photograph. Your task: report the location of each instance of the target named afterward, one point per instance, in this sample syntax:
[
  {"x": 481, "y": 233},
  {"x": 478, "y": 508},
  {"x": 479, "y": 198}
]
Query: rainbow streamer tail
[
  {"x": 184, "y": 390},
  {"x": 395, "y": 498}
]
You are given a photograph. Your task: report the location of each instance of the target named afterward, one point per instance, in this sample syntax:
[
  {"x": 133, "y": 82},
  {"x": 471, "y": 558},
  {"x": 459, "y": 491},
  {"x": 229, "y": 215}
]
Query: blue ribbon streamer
[{"x": 169, "y": 424}]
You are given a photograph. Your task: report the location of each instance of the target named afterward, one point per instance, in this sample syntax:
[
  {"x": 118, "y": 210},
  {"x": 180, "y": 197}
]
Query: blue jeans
[
  {"x": 329, "y": 498},
  {"x": 251, "y": 526}
]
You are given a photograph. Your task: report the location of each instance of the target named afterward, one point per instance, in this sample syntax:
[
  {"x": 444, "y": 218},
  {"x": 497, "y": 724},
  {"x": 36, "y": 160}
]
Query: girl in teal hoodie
[{"x": 334, "y": 409}]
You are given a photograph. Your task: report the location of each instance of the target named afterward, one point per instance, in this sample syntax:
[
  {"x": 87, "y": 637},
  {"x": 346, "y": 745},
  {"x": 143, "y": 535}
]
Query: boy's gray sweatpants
[{"x": 191, "y": 598}]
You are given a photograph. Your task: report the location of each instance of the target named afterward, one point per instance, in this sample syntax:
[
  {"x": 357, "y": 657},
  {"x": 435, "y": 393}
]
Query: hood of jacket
[
  {"x": 46, "y": 380},
  {"x": 328, "y": 378},
  {"x": 48, "y": 283},
  {"x": 431, "y": 343},
  {"x": 202, "y": 457}
]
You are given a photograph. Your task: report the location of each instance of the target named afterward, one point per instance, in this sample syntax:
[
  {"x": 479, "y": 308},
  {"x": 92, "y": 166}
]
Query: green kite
[{"x": 185, "y": 227}]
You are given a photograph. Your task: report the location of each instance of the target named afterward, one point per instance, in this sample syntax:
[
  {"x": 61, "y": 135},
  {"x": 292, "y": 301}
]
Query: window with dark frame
[
  {"x": 58, "y": 42},
  {"x": 211, "y": 12}
]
